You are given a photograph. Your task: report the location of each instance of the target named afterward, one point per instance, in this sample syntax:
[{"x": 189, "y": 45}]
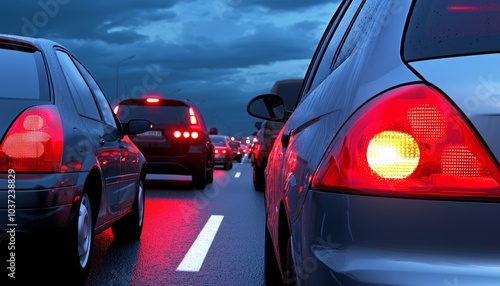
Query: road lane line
[
  {"x": 237, "y": 175},
  {"x": 196, "y": 254}
]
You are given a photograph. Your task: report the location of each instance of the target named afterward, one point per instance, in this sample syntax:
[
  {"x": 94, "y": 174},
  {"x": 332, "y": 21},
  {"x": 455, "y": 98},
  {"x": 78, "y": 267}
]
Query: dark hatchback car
[
  {"x": 68, "y": 170},
  {"x": 387, "y": 172},
  {"x": 178, "y": 141},
  {"x": 223, "y": 154}
]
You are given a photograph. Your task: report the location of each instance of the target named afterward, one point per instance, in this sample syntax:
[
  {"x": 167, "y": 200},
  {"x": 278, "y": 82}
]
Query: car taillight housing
[
  {"x": 192, "y": 132},
  {"x": 34, "y": 142},
  {"x": 409, "y": 141}
]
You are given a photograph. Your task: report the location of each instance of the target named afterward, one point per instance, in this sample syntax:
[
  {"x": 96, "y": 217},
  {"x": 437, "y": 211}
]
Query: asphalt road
[{"x": 190, "y": 237}]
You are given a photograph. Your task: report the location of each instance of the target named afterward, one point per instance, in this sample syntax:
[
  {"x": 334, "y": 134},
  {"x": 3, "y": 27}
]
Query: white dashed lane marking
[
  {"x": 196, "y": 255},
  {"x": 237, "y": 175}
]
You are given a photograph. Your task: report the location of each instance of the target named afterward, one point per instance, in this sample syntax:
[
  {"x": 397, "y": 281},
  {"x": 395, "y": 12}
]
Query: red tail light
[
  {"x": 34, "y": 142},
  {"x": 192, "y": 117},
  {"x": 409, "y": 141}
]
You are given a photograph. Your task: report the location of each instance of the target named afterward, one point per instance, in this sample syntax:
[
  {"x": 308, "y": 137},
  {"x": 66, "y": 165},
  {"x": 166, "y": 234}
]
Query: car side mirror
[
  {"x": 136, "y": 126},
  {"x": 268, "y": 106}
]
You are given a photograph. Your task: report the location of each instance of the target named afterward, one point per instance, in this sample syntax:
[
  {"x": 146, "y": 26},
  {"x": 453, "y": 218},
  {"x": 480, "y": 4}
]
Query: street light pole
[{"x": 117, "y": 75}]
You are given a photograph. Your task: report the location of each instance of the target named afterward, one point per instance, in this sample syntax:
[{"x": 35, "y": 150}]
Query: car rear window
[
  {"x": 218, "y": 140},
  {"x": 22, "y": 74},
  {"x": 165, "y": 113},
  {"x": 442, "y": 28}
]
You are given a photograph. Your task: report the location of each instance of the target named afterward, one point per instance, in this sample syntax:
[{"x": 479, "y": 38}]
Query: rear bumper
[
  {"x": 34, "y": 207},
  {"x": 222, "y": 160},
  {"x": 180, "y": 165},
  {"x": 360, "y": 240}
]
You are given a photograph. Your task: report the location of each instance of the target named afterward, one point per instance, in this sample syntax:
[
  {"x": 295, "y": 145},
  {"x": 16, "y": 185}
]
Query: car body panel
[{"x": 478, "y": 99}]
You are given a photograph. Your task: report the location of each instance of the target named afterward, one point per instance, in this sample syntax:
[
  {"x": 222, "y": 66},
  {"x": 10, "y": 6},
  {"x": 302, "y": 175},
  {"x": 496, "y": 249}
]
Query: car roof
[{"x": 38, "y": 43}]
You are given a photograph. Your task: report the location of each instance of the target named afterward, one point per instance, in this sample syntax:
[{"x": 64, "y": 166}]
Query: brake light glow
[
  {"x": 115, "y": 110},
  {"x": 192, "y": 117},
  {"x": 187, "y": 134},
  {"x": 409, "y": 141},
  {"x": 152, "y": 100},
  {"x": 34, "y": 142}
]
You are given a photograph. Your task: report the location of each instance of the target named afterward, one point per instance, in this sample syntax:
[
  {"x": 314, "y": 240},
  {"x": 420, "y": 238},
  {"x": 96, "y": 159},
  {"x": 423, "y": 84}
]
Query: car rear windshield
[
  {"x": 218, "y": 140},
  {"x": 22, "y": 74},
  {"x": 166, "y": 114},
  {"x": 441, "y": 28}
]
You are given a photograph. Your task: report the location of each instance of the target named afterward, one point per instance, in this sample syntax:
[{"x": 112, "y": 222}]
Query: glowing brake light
[
  {"x": 152, "y": 100},
  {"x": 192, "y": 117},
  {"x": 34, "y": 142},
  {"x": 186, "y": 134},
  {"x": 115, "y": 110},
  {"x": 409, "y": 141}
]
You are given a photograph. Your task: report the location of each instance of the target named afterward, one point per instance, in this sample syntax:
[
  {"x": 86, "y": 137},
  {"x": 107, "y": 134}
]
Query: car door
[
  {"x": 127, "y": 153},
  {"x": 105, "y": 138}
]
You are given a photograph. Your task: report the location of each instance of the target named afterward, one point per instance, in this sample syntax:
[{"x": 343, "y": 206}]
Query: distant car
[
  {"x": 289, "y": 90},
  {"x": 67, "y": 165},
  {"x": 387, "y": 172},
  {"x": 178, "y": 141},
  {"x": 237, "y": 150},
  {"x": 222, "y": 150}
]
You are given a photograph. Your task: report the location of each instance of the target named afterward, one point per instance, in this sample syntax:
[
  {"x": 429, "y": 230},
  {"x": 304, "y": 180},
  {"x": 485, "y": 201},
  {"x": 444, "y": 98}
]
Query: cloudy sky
[{"x": 218, "y": 53}]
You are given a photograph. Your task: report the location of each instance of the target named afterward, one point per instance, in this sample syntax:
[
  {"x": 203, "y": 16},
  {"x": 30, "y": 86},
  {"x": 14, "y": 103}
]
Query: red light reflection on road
[{"x": 162, "y": 249}]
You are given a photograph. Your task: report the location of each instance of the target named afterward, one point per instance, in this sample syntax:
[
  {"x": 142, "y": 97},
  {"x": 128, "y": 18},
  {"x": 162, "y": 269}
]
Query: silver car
[{"x": 387, "y": 171}]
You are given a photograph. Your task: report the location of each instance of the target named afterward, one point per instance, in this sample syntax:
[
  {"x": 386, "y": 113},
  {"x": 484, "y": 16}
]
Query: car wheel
[
  {"x": 271, "y": 269},
  {"x": 258, "y": 178},
  {"x": 78, "y": 242},
  {"x": 228, "y": 166},
  {"x": 130, "y": 226},
  {"x": 210, "y": 175},
  {"x": 200, "y": 179}
]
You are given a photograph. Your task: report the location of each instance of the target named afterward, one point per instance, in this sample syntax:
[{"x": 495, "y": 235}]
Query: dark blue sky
[{"x": 219, "y": 53}]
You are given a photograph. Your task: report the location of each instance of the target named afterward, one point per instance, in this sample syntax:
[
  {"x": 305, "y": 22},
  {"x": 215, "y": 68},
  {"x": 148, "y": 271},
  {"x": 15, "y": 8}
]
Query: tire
[
  {"x": 78, "y": 242},
  {"x": 228, "y": 165},
  {"x": 258, "y": 178},
  {"x": 272, "y": 273},
  {"x": 130, "y": 226},
  {"x": 210, "y": 175},
  {"x": 200, "y": 179}
]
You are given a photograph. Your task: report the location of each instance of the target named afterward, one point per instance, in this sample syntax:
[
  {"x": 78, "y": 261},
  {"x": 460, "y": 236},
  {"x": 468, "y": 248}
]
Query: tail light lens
[
  {"x": 409, "y": 141},
  {"x": 34, "y": 142},
  {"x": 192, "y": 133}
]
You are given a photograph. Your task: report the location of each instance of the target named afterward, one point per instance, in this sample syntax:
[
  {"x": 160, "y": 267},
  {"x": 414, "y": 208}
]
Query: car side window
[
  {"x": 82, "y": 96},
  {"x": 102, "y": 102},
  {"x": 371, "y": 17},
  {"x": 322, "y": 66}
]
